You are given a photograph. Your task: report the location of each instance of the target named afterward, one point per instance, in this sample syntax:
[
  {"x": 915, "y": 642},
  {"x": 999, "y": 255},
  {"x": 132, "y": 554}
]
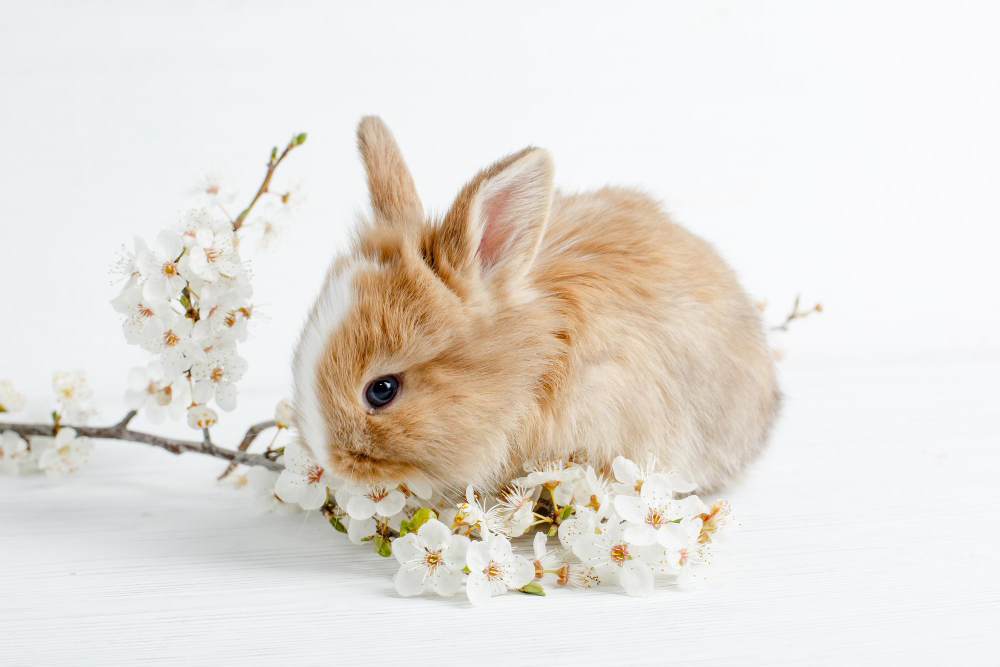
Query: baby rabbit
[{"x": 527, "y": 324}]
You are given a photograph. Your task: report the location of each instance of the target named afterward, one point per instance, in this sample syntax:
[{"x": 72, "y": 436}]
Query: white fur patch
[{"x": 331, "y": 308}]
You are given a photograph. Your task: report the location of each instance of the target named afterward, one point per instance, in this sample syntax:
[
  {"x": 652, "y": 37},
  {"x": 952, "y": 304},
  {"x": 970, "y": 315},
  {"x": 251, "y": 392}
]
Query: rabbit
[{"x": 526, "y": 324}]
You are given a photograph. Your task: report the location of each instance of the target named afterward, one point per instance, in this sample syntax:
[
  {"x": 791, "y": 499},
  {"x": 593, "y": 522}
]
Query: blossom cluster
[
  {"x": 55, "y": 455},
  {"x": 186, "y": 301},
  {"x": 641, "y": 524}
]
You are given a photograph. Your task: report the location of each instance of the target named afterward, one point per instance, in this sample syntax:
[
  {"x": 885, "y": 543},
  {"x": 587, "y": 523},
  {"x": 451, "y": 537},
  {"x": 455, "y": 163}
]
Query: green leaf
[
  {"x": 553, "y": 530},
  {"x": 404, "y": 527},
  {"x": 566, "y": 511},
  {"x": 299, "y": 139},
  {"x": 420, "y": 517},
  {"x": 383, "y": 547},
  {"x": 532, "y": 588},
  {"x": 336, "y": 523}
]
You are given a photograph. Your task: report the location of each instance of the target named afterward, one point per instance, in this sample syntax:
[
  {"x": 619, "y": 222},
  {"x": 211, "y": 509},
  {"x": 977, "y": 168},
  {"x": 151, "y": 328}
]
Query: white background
[{"x": 847, "y": 151}]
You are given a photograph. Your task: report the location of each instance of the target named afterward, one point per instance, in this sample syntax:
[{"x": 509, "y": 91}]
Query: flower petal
[
  {"x": 391, "y": 504},
  {"x": 411, "y": 579},
  {"x": 225, "y": 395},
  {"x": 478, "y": 588},
  {"x": 447, "y": 582},
  {"x": 636, "y": 579},
  {"x": 289, "y": 486},
  {"x": 519, "y": 572},
  {"x": 477, "y": 556},
  {"x": 434, "y": 534},
  {"x": 360, "y": 507},
  {"x": 407, "y": 548},
  {"x": 631, "y": 508}
]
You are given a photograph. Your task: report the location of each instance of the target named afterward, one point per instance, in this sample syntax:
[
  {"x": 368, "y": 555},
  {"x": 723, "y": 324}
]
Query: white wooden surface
[{"x": 868, "y": 534}]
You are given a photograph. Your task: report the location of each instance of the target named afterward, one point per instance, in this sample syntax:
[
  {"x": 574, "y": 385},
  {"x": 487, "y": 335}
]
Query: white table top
[{"x": 868, "y": 533}]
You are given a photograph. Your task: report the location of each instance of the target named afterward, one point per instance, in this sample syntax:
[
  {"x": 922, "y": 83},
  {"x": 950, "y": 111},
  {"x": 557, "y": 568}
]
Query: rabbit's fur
[{"x": 528, "y": 324}]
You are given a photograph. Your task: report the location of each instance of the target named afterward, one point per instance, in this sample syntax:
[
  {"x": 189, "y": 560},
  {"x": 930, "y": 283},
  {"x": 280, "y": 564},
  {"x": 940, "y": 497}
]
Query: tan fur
[{"x": 527, "y": 324}]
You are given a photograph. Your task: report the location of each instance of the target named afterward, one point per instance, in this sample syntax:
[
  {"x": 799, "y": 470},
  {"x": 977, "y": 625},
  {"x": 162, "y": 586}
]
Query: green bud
[
  {"x": 274, "y": 153},
  {"x": 532, "y": 588},
  {"x": 553, "y": 530},
  {"x": 383, "y": 547},
  {"x": 336, "y": 523},
  {"x": 299, "y": 139},
  {"x": 422, "y": 516}
]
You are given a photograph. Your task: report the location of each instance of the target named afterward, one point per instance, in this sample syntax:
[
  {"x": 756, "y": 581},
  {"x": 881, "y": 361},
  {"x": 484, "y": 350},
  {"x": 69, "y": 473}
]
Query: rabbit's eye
[{"x": 381, "y": 391}]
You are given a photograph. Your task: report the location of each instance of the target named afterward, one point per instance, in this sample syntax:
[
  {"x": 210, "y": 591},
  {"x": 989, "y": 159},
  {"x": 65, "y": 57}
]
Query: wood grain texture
[{"x": 868, "y": 535}]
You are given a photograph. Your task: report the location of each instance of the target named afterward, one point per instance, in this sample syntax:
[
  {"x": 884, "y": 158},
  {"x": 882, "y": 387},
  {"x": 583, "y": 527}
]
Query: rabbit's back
[{"x": 663, "y": 351}]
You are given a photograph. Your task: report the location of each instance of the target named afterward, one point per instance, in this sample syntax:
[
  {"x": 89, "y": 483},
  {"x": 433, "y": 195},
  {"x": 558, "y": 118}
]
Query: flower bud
[
  {"x": 202, "y": 416},
  {"x": 283, "y": 413}
]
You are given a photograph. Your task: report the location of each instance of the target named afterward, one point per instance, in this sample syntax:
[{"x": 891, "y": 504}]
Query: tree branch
[
  {"x": 272, "y": 164},
  {"x": 796, "y": 314},
  {"x": 121, "y": 431}
]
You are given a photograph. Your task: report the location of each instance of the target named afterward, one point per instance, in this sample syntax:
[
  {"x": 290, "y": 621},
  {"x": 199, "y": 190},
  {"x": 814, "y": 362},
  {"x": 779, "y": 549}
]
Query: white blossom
[
  {"x": 160, "y": 267},
  {"x": 516, "y": 504},
  {"x": 125, "y": 267},
  {"x": 653, "y": 513},
  {"x": 170, "y": 337},
  {"x": 612, "y": 557},
  {"x": 212, "y": 187},
  {"x": 553, "y": 474},
  {"x": 430, "y": 559},
  {"x": 149, "y": 392},
  {"x": 474, "y": 514},
  {"x": 261, "y": 483},
  {"x": 718, "y": 524},
  {"x": 13, "y": 452},
  {"x": 631, "y": 476},
  {"x": 545, "y": 560},
  {"x": 582, "y": 522},
  {"x": 592, "y": 490},
  {"x": 10, "y": 399},
  {"x": 494, "y": 568},
  {"x": 72, "y": 392},
  {"x": 138, "y": 312},
  {"x": 303, "y": 481},
  {"x": 213, "y": 254},
  {"x": 284, "y": 414},
  {"x": 685, "y": 554},
  {"x": 64, "y": 453},
  {"x": 217, "y": 376},
  {"x": 362, "y": 501}
]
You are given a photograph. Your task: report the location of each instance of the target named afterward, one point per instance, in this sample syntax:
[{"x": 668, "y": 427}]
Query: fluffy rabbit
[{"x": 527, "y": 324}]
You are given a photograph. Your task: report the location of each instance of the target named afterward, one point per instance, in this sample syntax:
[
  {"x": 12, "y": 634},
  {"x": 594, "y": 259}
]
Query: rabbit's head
[{"x": 420, "y": 358}]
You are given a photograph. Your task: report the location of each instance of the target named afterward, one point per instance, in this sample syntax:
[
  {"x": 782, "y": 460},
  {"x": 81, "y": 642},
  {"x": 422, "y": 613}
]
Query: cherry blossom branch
[
  {"x": 796, "y": 314},
  {"x": 272, "y": 164},
  {"x": 121, "y": 431}
]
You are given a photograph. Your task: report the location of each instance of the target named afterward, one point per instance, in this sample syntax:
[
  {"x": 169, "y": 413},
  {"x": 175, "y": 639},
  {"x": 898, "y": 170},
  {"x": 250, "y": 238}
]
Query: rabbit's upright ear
[
  {"x": 394, "y": 197},
  {"x": 496, "y": 224}
]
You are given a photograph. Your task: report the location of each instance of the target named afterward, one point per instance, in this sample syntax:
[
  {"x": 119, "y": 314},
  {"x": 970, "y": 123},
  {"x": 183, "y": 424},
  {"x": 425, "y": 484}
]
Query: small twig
[
  {"x": 120, "y": 431},
  {"x": 796, "y": 315},
  {"x": 272, "y": 164},
  {"x": 248, "y": 439}
]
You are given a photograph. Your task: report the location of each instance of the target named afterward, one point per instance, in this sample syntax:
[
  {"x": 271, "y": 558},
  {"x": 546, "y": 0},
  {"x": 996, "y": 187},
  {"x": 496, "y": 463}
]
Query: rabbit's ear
[
  {"x": 497, "y": 221},
  {"x": 394, "y": 197}
]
